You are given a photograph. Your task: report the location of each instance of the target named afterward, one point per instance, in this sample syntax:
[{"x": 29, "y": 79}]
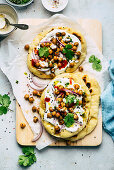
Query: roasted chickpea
[
  {"x": 63, "y": 95},
  {"x": 55, "y": 58},
  {"x": 80, "y": 68},
  {"x": 52, "y": 75},
  {"x": 67, "y": 93},
  {"x": 57, "y": 129},
  {"x": 38, "y": 109},
  {"x": 50, "y": 56},
  {"x": 50, "y": 51},
  {"x": 58, "y": 109},
  {"x": 54, "y": 113},
  {"x": 60, "y": 38},
  {"x": 74, "y": 48},
  {"x": 71, "y": 64},
  {"x": 76, "y": 44},
  {"x": 61, "y": 122},
  {"x": 31, "y": 99},
  {"x": 76, "y": 86},
  {"x": 54, "y": 40},
  {"x": 59, "y": 99},
  {"x": 60, "y": 87},
  {"x": 56, "y": 53},
  {"x": 35, "y": 119},
  {"x": 62, "y": 104},
  {"x": 42, "y": 44},
  {"x": 63, "y": 33},
  {"x": 26, "y": 47},
  {"x": 47, "y": 60},
  {"x": 52, "y": 60},
  {"x": 59, "y": 65},
  {"x": 60, "y": 59},
  {"x": 51, "y": 109},
  {"x": 80, "y": 92},
  {"x": 61, "y": 48},
  {"x": 60, "y": 118},
  {"x": 37, "y": 64},
  {"x": 42, "y": 59},
  {"x": 22, "y": 125},
  {"x": 34, "y": 108},
  {"x": 50, "y": 64},
  {"x": 49, "y": 115},
  {"x": 35, "y": 92},
  {"x": 71, "y": 110},
  {"x": 26, "y": 96},
  {"x": 75, "y": 117},
  {"x": 39, "y": 94},
  {"x": 58, "y": 34},
  {"x": 47, "y": 44},
  {"x": 56, "y": 91},
  {"x": 80, "y": 102},
  {"x": 57, "y": 115},
  {"x": 78, "y": 53},
  {"x": 76, "y": 91},
  {"x": 52, "y": 70}
]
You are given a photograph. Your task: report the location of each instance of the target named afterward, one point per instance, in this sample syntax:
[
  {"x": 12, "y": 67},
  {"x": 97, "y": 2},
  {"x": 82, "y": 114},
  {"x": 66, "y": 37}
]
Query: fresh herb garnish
[
  {"x": 4, "y": 103},
  {"x": 17, "y": 82},
  {"x": 68, "y": 52},
  {"x": 44, "y": 52},
  {"x": 28, "y": 158},
  {"x": 19, "y": 1},
  {"x": 96, "y": 63},
  {"x": 69, "y": 119},
  {"x": 70, "y": 99},
  {"x": 66, "y": 84}
]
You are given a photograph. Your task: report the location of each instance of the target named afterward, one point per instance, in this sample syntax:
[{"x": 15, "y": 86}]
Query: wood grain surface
[{"x": 24, "y": 136}]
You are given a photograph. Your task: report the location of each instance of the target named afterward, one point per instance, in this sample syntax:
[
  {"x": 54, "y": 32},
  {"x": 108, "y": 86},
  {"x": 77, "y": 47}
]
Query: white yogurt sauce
[{"x": 52, "y": 103}]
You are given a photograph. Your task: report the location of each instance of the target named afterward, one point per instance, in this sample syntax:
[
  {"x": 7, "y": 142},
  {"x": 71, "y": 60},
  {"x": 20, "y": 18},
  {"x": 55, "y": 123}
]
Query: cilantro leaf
[
  {"x": 70, "y": 99},
  {"x": 97, "y": 67},
  {"x": 23, "y": 160},
  {"x": 3, "y": 110},
  {"x": 69, "y": 119},
  {"x": 28, "y": 150},
  {"x": 6, "y": 100},
  {"x": 66, "y": 84},
  {"x": 68, "y": 52},
  {"x": 44, "y": 52},
  {"x": 68, "y": 46},
  {"x": 91, "y": 58},
  {"x": 0, "y": 99}
]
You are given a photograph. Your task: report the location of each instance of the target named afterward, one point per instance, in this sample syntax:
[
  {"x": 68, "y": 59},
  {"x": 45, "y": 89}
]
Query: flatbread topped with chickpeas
[
  {"x": 55, "y": 51},
  {"x": 65, "y": 105}
]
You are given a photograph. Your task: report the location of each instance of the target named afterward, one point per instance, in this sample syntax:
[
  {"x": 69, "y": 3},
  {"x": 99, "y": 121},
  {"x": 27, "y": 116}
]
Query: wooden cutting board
[{"x": 24, "y": 136}]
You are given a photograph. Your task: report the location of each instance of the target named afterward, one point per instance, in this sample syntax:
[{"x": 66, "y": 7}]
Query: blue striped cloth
[{"x": 107, "y": 100}]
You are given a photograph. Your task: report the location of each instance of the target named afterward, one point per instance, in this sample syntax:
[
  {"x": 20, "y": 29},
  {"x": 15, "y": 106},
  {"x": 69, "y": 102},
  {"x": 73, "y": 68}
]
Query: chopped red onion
[{"x": 40, "y": 133}]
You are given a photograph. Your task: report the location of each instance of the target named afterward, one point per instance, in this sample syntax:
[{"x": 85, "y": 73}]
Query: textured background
[{"x": 60, "y": 158}]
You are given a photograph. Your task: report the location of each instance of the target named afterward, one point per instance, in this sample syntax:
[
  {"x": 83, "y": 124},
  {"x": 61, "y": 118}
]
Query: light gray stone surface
[{"x": 61, "y": 158}]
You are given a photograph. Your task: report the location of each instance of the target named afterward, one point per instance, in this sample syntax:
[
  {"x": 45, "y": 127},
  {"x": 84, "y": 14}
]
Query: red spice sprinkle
[
  {"x": 63, "y": 64},
  {"x": 47, "y": 99},
  {"x": 71, "y": 81}
]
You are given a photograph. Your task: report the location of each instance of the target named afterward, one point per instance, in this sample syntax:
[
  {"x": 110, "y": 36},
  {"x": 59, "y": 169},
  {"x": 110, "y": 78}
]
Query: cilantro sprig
[
  {"x": 69, "y": 54},
  {"x": 96, "y": 63},
  {"x": 4, "y": 103},
  {"x": 44, "y": 52},
  {"x": 28, "y": 158},
  {"x": 69, "y": 119},
  {"x": 70, "y": 99}
]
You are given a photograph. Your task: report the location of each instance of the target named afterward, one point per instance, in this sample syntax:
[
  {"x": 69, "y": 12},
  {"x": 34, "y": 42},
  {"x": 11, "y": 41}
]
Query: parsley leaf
[
  {"x": 44, "y": 52},
  {"x": 96, "y": 63},
  {"x": 28, "y": 158},
  {"x": 4, "y": 103},
  {"x": 69, "y": 119},
  {"x": 68, "y": 52}
]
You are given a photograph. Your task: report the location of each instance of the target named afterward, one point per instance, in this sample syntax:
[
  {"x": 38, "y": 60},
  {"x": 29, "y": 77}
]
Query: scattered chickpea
[
  {"x": 80, "y": 92},
  {"x": 56, "y": 53},
  {"x": 47, "y": 44},
  {"x": 75, "y": 117},
  {"x": 35, "y": 92},
  {"x": 26, "y": 96},
  {"x": 61, "y": 48},
  {"x": 61, "y": 122},
  {"x": 56, "y": 91},
  {"x": 49, "y": 115},
  {"x": 59, "y": 65},
  {"x": 80, "y": 68},
  {"x": 38, "y": 109},
  {"x": 63, "y": 33},
  {"x": 52, "y": 75},
  {"x": 50, "y": 51},
  {"x": 35, "y": 119},
  {"x": 76, "y": 44},
  {"x": 34, "y": 108},
  {"x": 50, "y": 64},
  {"x": 74, "y": 48},
  {"x": 22, "y": 125},
  {"x": 59, "y": 99},
  {"x": 39, "y": 94},
  {"x": 71, "y": 64},
  {"x": 31, "y": 99},
  {"x": 57, "y": 129},
  {"x": 42, "y": 44},
  {"x": 26, "y": 47},
  {"x": 51, "y": 109},
  {"x": 47, "y": 60},
  {"x": 78, "y": 53},
  {"x": 58, "y": 34},
  {"x": 80, "y": 102},
  {"x": 70, "y": 110},
  {"x": 37, "y": 64},
  {"x": 60, "y": 118},
  {"x": 52, "y": 60},
  {"x": 76, "y": 91},
  {"x": 67, "y": 93},
  {"x": 55, "y": 58},
  {"x": 53, "y": 113},
  {"x": 60, "y": 59},
  {"x": 76, "y": 86},
  {"x": 42, "y": 59},
  {"x": 62, "y": 104},
  {"x": 50, "y": 56},
  {"x": 58, "y": 108},
  {"x": 60, "y": 38},
  {"x": 54, "y": 41}
]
